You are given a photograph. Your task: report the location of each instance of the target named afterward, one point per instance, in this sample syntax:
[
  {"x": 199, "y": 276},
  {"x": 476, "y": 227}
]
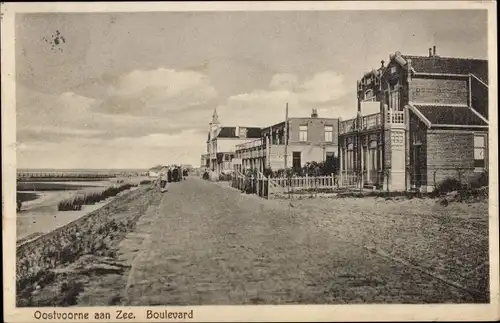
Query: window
[
  {"x": 373, "y": 154},
  {"x": 479, "y": 151},
  {"x": 350, "y": 157},
  {"x": 296, "y": 162},
  {"x": 302, "y": 133},
  {"x": 381, "y": 158},
  {"x": 393, "y": 70},
  {"x": 328, "y": 133},
  {"x": 394, "y": 100},
  {"x": 243, "y": 132},
  {"x": 368, "y": 94}
]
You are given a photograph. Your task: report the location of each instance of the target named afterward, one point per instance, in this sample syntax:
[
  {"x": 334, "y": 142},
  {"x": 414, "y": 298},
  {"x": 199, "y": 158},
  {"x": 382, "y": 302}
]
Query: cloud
[
  {"x": 188, "y": 137},
  {"x": 122, "y": 152},
  {"x": 265, "y": 107},
  {"x": 42, "y": 113},
  {"x": 323, "y": 87},
  {"x": 284, "y": 81},
  {"x": 156, "y": 116},
  {"x": 54, "y": 118},
  {"x": 157, "y": 92}
]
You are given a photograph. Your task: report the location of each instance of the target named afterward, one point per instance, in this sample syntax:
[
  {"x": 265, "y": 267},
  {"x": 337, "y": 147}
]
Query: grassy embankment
[{"x": 53, "y": 269}]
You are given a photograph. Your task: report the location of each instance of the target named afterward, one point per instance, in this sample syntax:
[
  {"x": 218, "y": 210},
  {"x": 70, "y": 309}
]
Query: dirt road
[{"x": 206, "y": 244}]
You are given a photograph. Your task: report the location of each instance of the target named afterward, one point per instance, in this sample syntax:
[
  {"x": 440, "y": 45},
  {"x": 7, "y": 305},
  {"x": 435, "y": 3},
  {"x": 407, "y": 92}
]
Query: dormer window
[{"x": 368, "y": 94}]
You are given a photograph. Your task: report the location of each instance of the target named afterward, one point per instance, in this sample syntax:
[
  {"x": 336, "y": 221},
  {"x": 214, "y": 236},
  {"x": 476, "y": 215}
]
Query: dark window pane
[{"x": 479, "y": 163}]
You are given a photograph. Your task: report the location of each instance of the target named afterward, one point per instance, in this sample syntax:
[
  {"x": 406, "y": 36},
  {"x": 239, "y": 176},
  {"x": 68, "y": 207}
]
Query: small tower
[
  {"x": 214, "y": 125},
  {"x": 314, "y": 113},
  {"x": 215, "y": 118}
]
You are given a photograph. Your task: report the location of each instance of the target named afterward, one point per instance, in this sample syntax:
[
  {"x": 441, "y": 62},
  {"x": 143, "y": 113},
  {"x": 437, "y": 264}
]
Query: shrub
[
  {"x": 76, "y": 203},
  {"x": 145, "y": 182},
  {"x": 449, "y": 185},
  {"x": 206, "y": 175},
  {"x": 225, "y": 177},
  {"x": 480, "y": 181}
]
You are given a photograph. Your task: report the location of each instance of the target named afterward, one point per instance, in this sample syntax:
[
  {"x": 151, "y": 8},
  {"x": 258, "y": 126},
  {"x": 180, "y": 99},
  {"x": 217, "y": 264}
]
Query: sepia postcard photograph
[{"x": 250, "y": 161}]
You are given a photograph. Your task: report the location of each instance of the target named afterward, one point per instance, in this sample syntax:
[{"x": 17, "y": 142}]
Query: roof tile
[
  {"x": 450, "y": 115},
  {"x": 449, "y": 65}
]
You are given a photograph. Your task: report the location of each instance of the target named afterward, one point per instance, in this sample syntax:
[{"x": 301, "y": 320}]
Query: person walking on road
[
  {"x": 164, "y": 179},
  {"x": 169, "y": 175}
]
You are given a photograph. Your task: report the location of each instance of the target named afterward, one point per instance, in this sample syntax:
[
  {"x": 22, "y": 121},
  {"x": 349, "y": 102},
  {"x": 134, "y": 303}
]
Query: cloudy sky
[{"x": 131, "y": 90}]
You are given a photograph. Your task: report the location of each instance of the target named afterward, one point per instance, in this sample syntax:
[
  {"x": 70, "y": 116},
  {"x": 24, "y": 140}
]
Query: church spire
[{"x": 215, "y": 117}]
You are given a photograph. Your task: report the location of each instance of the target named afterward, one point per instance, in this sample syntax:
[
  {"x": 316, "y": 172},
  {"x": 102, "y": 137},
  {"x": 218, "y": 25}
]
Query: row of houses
[
  {"x": 419, "y": 120},
  {"x": 309, "y": 139}
]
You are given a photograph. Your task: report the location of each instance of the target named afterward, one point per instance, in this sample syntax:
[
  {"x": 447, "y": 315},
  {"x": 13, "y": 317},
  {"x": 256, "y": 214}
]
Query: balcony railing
[
  {"x": 371, "y": 121},
  {"x": 348, "y": 126},
  {"x": 395, "y": 117},
  {"x": 251, "y": 144}
]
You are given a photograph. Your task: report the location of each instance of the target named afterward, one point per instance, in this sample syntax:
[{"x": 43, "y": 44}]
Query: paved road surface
[{"x": 211, "y": 245}]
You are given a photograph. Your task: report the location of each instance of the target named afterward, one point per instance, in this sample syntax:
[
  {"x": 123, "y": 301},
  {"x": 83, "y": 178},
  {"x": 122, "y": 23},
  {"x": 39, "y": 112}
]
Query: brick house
[
  {"x": 309, "y": 139},
  {"x": 221, "y": 143},
  {"x": 432, "y": 123}
]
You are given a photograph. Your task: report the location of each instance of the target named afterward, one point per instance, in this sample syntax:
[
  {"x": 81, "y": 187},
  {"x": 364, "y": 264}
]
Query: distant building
[
  {"x": 309, "y": 139},
  {"x": 154, "y": 172},
  {"x": 419, "y": 120},
  {"x": 221, "y": 144}
]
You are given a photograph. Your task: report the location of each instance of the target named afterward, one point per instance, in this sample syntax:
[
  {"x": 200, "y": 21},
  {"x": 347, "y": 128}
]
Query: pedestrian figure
[
  {"x": 175, "y": 174},
  {"x": 163, "y": 180},
  {"x": 169, "y": 175}
]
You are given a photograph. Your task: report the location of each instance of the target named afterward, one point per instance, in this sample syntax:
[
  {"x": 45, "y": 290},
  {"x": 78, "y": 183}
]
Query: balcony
[
  {"x": 371, "y": 121},
  {"x": 259, "y": 143},
  {"x": 395, "y": 117}
]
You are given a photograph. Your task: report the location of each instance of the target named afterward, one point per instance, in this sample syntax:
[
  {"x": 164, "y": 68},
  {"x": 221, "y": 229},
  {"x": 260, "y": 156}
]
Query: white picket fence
[
  {"x": 274, "y": 187},
  {"x": 307, "y": 182},
  {"x": 349, "y": 180}
]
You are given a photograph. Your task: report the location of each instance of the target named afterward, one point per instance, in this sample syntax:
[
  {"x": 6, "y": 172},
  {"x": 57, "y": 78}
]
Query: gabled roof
[
  {"x": 449, "y": 115},
  {"x": 227, "y": 132},
  {"x": 253, "y": 132},
  {"x": 449, "y": 65},
  {"x": 230, "y": 132}
]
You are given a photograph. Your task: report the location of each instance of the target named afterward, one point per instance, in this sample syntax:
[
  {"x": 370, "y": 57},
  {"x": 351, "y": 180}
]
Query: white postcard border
[{"x": 241, "y": 313}]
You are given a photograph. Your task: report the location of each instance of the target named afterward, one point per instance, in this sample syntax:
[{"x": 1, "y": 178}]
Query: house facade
[
  {"x": 431, "y": 123},
  {"x": 309, "y": 139},
  {"x": 221, "y": 143}
]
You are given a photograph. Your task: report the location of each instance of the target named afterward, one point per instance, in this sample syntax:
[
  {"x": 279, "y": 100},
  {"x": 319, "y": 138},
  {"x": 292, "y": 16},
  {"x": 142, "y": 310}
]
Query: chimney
[
  {"x": 433, "y": 50},
  {"x": 430, "y": 52},
  {"x": 314, "y": 113},
  {"x": 382, "y": 63}
]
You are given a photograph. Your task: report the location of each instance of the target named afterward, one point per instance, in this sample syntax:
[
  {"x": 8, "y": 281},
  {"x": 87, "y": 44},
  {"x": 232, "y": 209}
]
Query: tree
[{"x": 331, "y": 165}]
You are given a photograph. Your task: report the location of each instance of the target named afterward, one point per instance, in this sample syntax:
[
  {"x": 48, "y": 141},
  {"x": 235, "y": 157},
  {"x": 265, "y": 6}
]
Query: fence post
[
  {"x": 269, "y": 188},
  {"x": 257, "y": 182},
  {"x": 307, "y": 181},
  {"x": 333, "y": 180},
  {"x": 434, "y": 178}
]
